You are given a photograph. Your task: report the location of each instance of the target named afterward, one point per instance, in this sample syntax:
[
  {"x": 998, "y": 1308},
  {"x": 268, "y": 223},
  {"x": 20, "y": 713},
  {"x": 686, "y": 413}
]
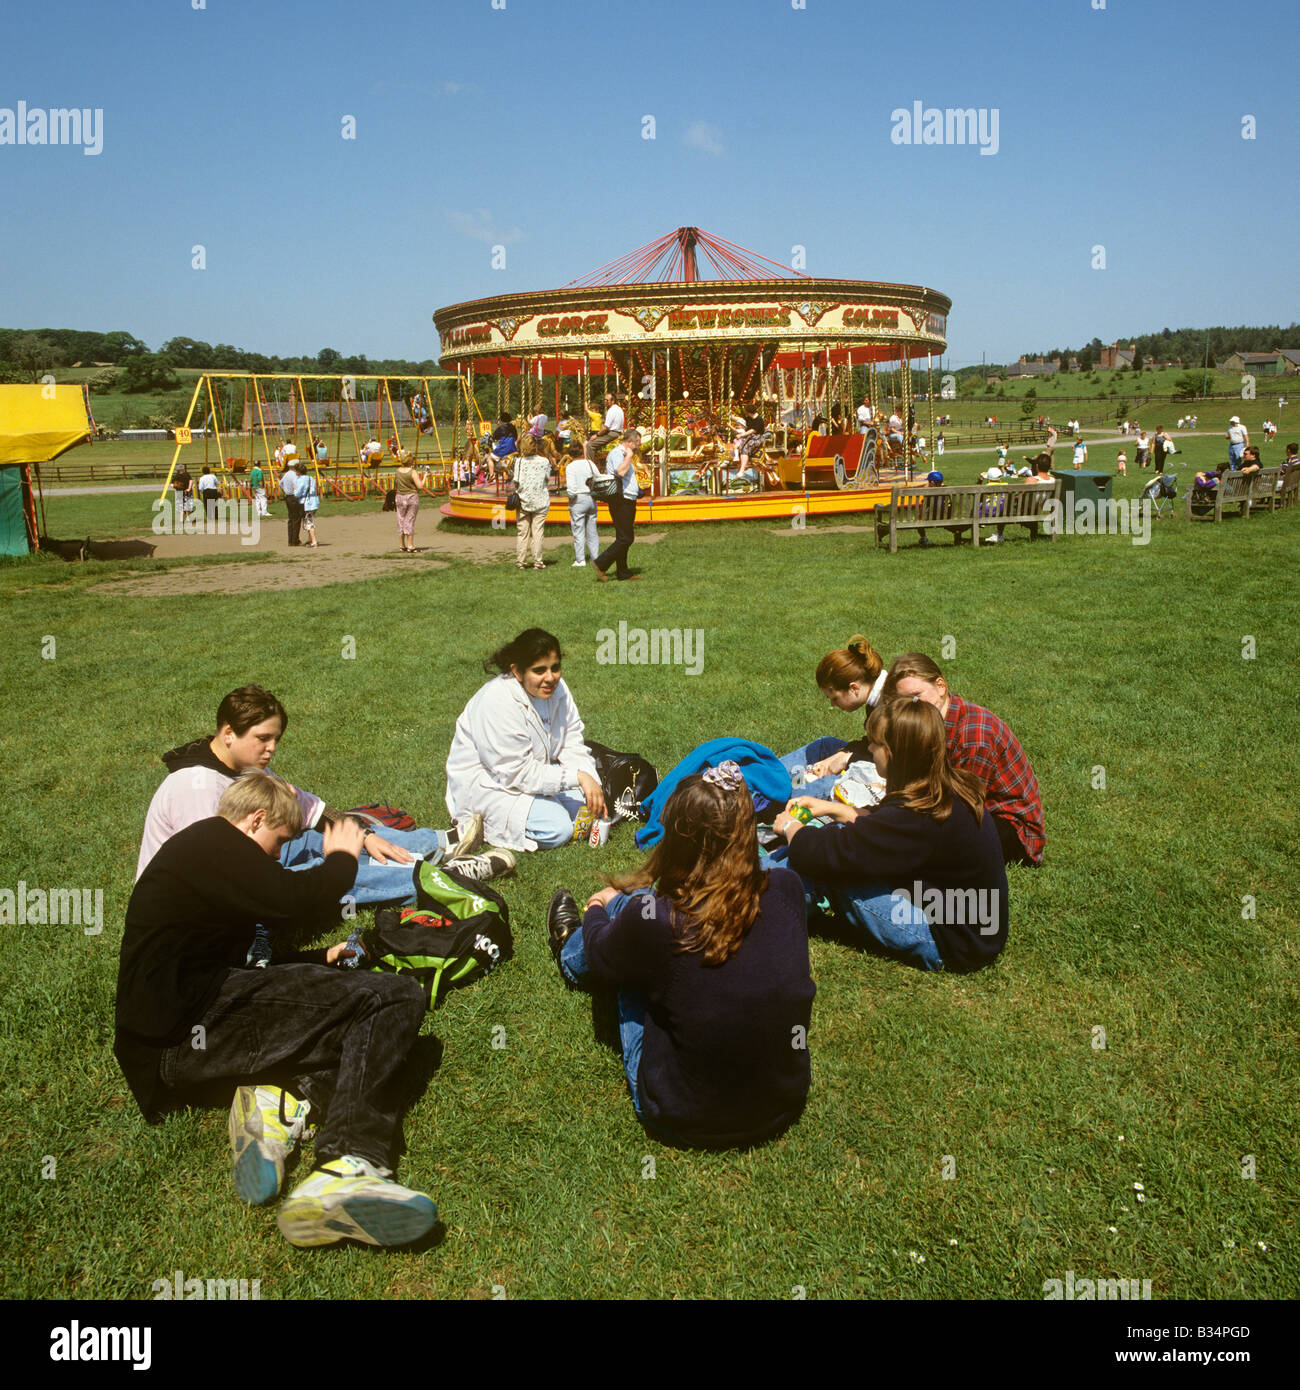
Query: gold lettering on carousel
[
  {"x": 463, "y": 337},
  {"x": 562, "y": 326},
  {"x": 871, "y": 318},
  {"x": 689, "y": 320}
]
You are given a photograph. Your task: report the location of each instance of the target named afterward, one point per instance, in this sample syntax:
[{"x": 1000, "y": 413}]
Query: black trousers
[
  {"x": 622, "y": 512},
  {"x": 338, "y": 1038},
  {"x": 295, "y": 509}
]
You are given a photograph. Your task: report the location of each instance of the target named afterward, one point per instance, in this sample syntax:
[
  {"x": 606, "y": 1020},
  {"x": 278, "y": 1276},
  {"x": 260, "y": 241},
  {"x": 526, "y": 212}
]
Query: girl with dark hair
[
  {"x": 850, "y": 677},
  {"x": 930, "y": 838},
  {"x": 517, "y": 756},
  {"x": 709, "y": 953},
  {"x": 250, "y": 724}
]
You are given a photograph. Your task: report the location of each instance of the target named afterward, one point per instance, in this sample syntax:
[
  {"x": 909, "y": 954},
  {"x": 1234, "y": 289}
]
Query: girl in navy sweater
[
  {"x": 922, "y": 875},
  {"x": 709, "y": 954}
]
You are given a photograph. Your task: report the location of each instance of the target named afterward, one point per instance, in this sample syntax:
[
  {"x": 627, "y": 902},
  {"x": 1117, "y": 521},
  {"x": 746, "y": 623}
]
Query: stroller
[{"x": 1161, "y": 492}]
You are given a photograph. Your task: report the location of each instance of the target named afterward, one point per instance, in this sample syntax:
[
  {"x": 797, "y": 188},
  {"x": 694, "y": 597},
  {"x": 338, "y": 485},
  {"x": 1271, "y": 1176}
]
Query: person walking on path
[
  {"x": 1238, "y": 438},
  {"x": 622, "y": 509},
  {"x": 582, "y": 511}
]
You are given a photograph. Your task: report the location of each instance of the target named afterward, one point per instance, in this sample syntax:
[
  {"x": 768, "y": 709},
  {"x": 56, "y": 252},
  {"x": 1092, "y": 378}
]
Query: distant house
[
  {"x": 1032, "y": 366},
  {"x": 1283, "y": 363},
  {"x": 1115, "y": 356}
]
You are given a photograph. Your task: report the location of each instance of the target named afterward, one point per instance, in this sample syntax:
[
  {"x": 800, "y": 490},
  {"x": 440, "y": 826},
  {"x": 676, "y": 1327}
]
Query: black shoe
[{"x": 562, "y": 920}]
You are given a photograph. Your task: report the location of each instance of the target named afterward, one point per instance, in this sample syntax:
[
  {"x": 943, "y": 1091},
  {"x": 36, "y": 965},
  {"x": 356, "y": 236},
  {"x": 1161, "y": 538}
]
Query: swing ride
[
  {"x": 686, "y": 355},
  {"x": 334, "y": 424}
]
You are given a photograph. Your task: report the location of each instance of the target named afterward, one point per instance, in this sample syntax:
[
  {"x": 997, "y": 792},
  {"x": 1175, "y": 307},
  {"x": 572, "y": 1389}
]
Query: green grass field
[{"x": 1164, "y": 916}]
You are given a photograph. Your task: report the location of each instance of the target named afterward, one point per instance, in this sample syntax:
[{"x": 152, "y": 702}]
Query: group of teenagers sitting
[{"x": 901, "y": 837}]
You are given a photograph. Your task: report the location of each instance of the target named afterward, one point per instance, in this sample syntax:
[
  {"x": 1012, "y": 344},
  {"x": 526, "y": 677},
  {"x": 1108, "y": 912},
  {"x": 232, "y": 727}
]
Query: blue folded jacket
[{"x": 768, "y": 781}]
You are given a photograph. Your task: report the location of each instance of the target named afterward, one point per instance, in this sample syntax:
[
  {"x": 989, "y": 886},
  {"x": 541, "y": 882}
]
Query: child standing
[
  {"x": 309, "y": 496},
  {"x": 1121, "y": 463},
  {"x": 709, "y": 955}
]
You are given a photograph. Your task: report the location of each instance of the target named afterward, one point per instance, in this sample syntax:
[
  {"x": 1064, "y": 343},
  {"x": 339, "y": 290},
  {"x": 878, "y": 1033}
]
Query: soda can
[
  {"x": 802, "y": 814},
  {"x": 582, "y": 825},
  {"x": 599, "y": 833}
]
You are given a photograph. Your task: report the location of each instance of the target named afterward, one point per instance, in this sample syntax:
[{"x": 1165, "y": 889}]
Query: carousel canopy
[{"x": 655, "y": 301}]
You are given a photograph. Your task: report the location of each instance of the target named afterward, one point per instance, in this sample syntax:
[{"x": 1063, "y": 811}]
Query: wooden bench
[
  {"x": 1290, "y": 486},
  {"x": 965, "y": 509},
  {"x": 1236, "y": 489}
]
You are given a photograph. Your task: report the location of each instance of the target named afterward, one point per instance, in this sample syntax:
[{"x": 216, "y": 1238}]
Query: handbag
[
  {"x": 627, "y": 779},
  {"x": 605, "y": 486}
]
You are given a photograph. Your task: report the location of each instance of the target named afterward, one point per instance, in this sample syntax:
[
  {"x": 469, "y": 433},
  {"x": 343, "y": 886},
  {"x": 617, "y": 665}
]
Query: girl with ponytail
[{"x": 851, "y": 678}]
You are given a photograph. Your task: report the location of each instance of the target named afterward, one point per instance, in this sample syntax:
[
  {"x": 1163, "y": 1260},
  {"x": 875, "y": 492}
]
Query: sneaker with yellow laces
[
  {"x": 265, "y": 1124},
  {"x": 349, "y": 1199}
]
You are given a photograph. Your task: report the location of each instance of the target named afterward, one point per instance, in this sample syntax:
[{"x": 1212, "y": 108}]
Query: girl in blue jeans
[
  {"x": 921, "y": 877},
  {"x": 708, "y": 952}
]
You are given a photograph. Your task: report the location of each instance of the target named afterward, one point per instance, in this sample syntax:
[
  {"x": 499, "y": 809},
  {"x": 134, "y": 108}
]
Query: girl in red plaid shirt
[{"x": 981, "y": 743}]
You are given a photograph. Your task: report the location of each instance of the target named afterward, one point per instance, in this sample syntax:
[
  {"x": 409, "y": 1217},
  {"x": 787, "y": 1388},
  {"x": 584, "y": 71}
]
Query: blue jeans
[
  {"x": 811, "y": 753},
  {"x": 1235, "y": 453},
  {"x": 891, "y": 923},
  {"x": 375, "y": 883},
  {"x": 582, "y": 522},
  {"x": 631, "y": 1005},
  {"x": 551, "y": 820}
]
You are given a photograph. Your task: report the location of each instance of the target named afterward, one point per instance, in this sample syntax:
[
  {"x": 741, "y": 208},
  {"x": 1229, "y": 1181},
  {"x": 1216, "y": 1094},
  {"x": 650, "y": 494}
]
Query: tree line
[
  {"x": 1186, "y": 345},
  {"x": 28, "y": 354}
]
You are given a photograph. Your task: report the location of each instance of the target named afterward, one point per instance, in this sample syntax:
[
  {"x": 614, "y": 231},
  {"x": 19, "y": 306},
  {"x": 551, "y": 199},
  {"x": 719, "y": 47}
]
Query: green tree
[
  {"x": 147, "y": 371},
  {"x": 1137, "y": 359},
  {"x": 119, "y": 345},
  {"x": 35, "y": 356},
  {"x": 1030, "y": 403},
  {"x": 1085, "y": 361},
  {"x": 1187, "y": 386},
  {"x": 327, "y": 359}
]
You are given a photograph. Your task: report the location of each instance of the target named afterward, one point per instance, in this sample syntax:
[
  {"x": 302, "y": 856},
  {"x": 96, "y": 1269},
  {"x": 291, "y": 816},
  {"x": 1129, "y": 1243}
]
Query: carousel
[{"x": 698, "y": 362}]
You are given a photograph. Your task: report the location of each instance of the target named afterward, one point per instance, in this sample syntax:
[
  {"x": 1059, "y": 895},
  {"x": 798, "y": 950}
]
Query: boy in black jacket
[{"x": 191, "y": 1013}]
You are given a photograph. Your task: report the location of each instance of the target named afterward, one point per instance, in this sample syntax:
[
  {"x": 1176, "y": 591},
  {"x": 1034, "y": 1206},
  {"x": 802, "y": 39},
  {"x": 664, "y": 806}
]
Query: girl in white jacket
[{"x": 518, "y": 756}]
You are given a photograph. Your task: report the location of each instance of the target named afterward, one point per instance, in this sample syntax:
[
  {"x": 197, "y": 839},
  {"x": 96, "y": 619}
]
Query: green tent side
[{"x": 13, "y": 520}]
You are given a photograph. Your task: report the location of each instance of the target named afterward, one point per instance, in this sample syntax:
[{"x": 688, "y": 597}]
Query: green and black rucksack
[{"x": 458, "y": 930}]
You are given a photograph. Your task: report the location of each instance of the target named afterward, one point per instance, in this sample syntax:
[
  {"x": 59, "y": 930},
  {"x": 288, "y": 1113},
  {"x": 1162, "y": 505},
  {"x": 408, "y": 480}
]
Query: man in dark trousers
[
  {"x": 289, "y": 490},
  {"x": 298, "y": 1036}
]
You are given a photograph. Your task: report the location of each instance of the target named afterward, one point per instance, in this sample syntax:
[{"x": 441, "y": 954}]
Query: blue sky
[{"x": 522, "y": 126}]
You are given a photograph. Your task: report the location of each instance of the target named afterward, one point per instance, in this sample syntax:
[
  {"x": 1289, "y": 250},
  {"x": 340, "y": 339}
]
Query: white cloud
[
  {"x": 479, "y": 225},
  {"x": 455, "y": 89},
  {"x": 702, "y": 136}
]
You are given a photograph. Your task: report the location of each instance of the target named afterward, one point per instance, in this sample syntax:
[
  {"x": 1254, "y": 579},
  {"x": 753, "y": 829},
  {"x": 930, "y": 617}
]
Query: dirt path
[{"x": 354, "y": 547}]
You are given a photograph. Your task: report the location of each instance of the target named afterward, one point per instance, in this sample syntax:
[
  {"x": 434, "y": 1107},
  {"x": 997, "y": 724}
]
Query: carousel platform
[{"x": 484, "y": 504}]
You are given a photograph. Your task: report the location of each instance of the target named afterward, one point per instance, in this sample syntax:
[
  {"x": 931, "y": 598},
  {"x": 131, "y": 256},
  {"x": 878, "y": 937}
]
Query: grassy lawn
[{"x": 1164, "y": 916}]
